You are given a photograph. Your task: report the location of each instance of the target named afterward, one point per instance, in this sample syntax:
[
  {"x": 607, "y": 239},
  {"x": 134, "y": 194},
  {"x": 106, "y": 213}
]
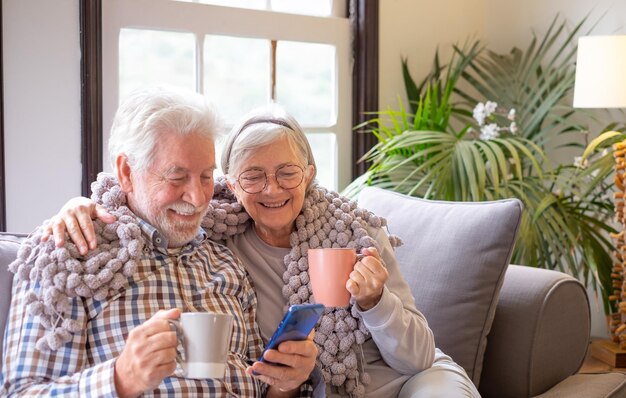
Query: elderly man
[{"x": 118, "y": 341}]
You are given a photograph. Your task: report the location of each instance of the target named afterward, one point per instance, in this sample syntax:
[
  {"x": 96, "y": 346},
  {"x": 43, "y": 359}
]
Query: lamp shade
[{"x": 601, "y": 72}]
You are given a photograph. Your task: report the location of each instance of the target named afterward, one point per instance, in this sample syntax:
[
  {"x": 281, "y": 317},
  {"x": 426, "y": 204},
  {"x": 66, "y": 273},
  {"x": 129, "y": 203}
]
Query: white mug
[{"x": 205, "y": 337}]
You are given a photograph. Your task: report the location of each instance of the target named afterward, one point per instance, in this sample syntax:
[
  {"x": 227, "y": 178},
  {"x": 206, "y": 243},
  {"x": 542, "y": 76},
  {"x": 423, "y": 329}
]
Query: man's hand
[
  {"x": 75, "y": 217},
  {"x": 148, "y": 357},
  {"x": 298, "y": 358},
  {"x": 367, "y": 280}
]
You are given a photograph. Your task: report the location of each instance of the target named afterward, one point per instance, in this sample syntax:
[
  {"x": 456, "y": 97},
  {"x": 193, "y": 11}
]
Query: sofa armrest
[
  {"x": 9, "y": 243},
  {"x": 540, "y": 333}
]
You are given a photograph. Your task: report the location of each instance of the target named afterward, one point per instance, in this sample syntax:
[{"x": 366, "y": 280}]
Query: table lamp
[{"x": 601, "y": 83}]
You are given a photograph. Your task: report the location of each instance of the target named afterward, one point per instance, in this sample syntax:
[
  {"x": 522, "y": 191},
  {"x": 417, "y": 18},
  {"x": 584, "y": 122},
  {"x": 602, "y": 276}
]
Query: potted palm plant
[{"x": 452, "y": 143}]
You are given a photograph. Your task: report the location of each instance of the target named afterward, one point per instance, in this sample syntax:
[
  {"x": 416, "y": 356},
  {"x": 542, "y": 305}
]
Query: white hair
[
  {"x": 147, "y": 113},
  {"x": 259, "y": 128}
]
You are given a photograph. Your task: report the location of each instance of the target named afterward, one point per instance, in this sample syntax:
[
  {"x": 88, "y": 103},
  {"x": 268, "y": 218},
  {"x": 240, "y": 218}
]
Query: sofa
[{"x": 518, "y": 331}]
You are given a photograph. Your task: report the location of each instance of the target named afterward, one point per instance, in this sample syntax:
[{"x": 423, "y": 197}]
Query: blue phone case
[{"x": 297, "y": 323}]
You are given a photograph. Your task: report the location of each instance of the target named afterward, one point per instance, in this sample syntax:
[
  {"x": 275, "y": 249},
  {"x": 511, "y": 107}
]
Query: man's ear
[{"x": 124, "y": 173}]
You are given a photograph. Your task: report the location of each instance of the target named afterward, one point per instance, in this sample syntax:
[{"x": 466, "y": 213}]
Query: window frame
[
  {"x": 195, "y": 17},
  {"x": 364, "y": 22},
  {"x": 364, "y": 17},
  {"x": 90, "y": 12}
]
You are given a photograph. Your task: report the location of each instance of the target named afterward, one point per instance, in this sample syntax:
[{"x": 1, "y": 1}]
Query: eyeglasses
[{"x": 289, "y": 176}]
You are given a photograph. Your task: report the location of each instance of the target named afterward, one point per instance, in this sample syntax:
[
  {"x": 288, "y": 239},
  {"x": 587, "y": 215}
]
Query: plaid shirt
[{"x": 202, "y": 274}]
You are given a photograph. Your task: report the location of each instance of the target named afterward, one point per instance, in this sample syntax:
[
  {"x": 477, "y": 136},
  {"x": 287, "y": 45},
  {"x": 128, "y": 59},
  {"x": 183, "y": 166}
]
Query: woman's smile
[{"x": 275, "y": 205}]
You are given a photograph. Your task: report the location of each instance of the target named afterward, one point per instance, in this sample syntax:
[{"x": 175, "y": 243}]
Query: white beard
[{"x": 177, "y": 232}]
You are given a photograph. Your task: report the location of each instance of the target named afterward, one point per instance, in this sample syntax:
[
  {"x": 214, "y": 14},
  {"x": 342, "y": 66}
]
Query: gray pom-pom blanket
[{"x": 326, "y": 220}]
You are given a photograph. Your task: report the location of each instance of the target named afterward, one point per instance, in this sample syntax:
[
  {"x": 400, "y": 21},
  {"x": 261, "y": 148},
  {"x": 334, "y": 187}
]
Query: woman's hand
[
  {"x": 298, "y": 360},
  {"x": 367, "y": 280},
  {"x": 76, "y": 217}
]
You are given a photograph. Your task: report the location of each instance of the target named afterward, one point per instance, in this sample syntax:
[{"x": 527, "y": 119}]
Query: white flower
[
  {"x": 511, "y": 115},
  {"x": 489, "y": 132},
  {"x": 479, "y": 113},
  {"x": 490, "y": 107},
  {"x": 579, "y": 162},
  {"x": 489, "y": 112}
]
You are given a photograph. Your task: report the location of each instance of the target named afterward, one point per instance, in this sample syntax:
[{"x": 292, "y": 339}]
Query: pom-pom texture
[{"x": 60, "y": 274}]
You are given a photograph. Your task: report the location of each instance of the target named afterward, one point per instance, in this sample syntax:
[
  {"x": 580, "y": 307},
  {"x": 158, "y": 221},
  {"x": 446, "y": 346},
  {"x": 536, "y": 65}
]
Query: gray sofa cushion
[{"x": 454, "y": 258}]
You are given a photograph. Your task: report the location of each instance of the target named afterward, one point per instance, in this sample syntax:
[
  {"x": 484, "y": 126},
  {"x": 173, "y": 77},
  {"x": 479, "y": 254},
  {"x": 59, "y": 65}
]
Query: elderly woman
[{"x": 269, "y": 210}]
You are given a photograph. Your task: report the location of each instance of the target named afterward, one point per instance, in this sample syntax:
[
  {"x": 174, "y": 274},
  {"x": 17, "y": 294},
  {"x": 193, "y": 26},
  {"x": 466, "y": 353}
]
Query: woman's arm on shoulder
[{"x": 75, "y": 218}]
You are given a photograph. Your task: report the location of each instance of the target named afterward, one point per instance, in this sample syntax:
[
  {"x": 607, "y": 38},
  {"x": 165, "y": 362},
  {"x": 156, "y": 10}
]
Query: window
[{"x": 240, "y": 58}]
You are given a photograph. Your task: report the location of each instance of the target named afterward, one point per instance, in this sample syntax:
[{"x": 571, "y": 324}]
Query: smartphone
[{"x": 297, "y": 323}]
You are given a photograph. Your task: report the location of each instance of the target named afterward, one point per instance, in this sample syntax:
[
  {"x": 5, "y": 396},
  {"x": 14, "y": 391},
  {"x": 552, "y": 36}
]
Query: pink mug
[{"x": 329, "y": 270}]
